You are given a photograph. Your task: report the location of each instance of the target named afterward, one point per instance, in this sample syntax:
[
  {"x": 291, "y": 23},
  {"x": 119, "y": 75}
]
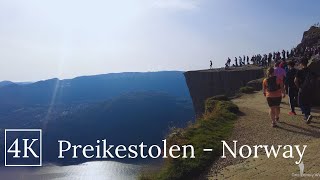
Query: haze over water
[{"x": 98, "y": 170}]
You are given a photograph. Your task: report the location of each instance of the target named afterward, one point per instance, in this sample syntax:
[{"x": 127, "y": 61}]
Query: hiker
[
  {"x": 253, "y": 59},
  {"x": 210, "y": 64},
  {"x": 229, "y": 61},
  {"x": 283, "y": 54},
  {"x": 240, "y": 61},
  {"x": 269, "y": 59},
  {"x": 236, "y": 61},
  {"x": 305, "y": 81},
  {"x": 279, "y": 72},
  {"x": 291, "y": 88},
  {"x": 273, "y": 90},
  {"x": 283, "y": 65}
]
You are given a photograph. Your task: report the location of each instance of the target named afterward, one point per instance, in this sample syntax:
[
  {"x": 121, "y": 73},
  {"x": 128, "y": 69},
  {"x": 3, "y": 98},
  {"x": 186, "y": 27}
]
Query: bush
[
  {"x": 210, "y": 102},
  {"x": 220, "y": 98},
  {"x": 247, "y": 90},
  {"x": 206, "y": 132},
  {"x": 227, "y": 105},
  {"x": 256, "y": 84}
]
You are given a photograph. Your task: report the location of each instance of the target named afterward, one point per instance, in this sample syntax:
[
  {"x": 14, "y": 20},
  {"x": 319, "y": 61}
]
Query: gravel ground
[{"x": 253, "y": 127}]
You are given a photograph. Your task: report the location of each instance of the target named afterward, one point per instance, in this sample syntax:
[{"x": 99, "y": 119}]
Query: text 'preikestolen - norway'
[{"x": 155, "y": 151}]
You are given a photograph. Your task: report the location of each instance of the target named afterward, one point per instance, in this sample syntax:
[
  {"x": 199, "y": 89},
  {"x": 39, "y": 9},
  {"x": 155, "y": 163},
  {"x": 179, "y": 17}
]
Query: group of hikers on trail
[
  {"x": 266, "y": 59},
  {"x": 299, "y": 84}
]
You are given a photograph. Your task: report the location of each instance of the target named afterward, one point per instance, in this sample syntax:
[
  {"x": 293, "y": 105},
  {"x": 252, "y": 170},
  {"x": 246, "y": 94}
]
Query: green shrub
[
  {"x": 256, "y": 84},
  {"x": 206, "y": 132},
  {"x": 227, "y": 105},
  {"x": 210, "y": 102},
  {"x": 219, "y": 98},
  {"x": 246, "y": 90}
]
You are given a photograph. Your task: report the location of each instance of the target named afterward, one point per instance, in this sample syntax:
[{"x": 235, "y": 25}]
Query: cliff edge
[{"x": 204, "y": 84}]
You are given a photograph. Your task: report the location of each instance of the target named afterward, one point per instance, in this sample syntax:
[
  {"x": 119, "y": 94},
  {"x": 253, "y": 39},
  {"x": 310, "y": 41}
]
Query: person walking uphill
[
  {"x": 273, "y": 90},
  {"x": 279, "y": 72},
  {"x": 305, "y": 81},
  {"x": 291, "y": 88}
]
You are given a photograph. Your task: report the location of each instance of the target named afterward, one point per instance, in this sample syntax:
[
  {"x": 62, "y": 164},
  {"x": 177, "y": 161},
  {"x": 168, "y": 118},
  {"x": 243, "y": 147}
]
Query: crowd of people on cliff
[
  {"x": 266, "y": 60},
  {"x": 299, "y": 84},
  {"x": 285, "y": 75}
]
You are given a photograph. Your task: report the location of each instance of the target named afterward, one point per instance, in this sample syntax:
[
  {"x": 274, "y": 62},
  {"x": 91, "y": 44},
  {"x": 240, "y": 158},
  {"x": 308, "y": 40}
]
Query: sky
[{"x": 42, "y": 39}]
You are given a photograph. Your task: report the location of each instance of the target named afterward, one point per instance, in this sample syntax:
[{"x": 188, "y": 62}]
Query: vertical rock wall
[{"x": 207, "y": 83}]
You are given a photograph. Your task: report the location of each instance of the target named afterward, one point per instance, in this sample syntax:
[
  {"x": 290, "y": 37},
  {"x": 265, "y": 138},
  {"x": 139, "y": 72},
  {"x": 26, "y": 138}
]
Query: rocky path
[{"x": 254, "y": 128}]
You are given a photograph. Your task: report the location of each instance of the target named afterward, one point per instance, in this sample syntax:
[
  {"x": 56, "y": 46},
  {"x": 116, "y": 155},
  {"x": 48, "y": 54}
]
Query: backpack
[{"x": 272, "y": 84}]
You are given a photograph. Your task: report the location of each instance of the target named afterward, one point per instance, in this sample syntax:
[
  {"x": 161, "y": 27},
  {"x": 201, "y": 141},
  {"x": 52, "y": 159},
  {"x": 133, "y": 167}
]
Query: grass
[
  {"x": 207, "y": 132},
  {"x": 219, "y": 98}
]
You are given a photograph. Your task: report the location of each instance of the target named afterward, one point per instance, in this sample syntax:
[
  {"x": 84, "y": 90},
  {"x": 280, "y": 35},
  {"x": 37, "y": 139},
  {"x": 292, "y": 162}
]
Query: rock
[
  {"x": 204, "y": 84},
  {"x": 314, "y": 64},
  {"x": 310, "y": 38}
]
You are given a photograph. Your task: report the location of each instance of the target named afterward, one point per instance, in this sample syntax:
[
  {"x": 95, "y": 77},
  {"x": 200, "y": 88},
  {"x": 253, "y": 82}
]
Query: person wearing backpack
[
  {"x": 291, "y": 88},
  {"x": 273, "y": 90},
  {"x": 305, "y": 81}
]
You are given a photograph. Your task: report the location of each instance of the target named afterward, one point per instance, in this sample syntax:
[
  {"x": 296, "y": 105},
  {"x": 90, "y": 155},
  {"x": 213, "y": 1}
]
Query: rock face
[
  {"x": 314, "y": 64},
  {"x": 207, "y": 83},
  {"x": 311, "y": 37}
]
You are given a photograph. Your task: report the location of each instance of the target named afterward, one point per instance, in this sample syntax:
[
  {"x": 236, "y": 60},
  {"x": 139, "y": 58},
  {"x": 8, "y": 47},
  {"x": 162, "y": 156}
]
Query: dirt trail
[{"x": 254, "y": 128}]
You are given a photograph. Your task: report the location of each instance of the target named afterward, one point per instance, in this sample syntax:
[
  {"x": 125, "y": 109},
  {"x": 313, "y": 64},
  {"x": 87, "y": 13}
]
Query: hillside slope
[
  {"x": 94, "y": 88},
  {"x": 131, "y": 118},
  {"x": 254, "y": 128}
]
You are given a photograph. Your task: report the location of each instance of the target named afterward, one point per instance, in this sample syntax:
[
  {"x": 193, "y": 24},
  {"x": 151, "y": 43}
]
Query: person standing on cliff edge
[
  {"x": 210, "y": 64},
  {"x": 236, "y": 61}
]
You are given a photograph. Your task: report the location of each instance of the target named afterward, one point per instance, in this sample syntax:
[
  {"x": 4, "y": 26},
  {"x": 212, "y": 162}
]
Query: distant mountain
[
  {"x": 125, "y": 108},
  {"x": 131, "y": 118},
  {"x": 94, "y": 88},
  {"x": 5, "y": 83},
  {"x": 8, "y": 83}
]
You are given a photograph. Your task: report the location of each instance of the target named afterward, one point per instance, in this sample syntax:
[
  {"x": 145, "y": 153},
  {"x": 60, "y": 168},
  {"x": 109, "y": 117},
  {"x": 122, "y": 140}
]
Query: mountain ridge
[{"x": 94, "y": 88}]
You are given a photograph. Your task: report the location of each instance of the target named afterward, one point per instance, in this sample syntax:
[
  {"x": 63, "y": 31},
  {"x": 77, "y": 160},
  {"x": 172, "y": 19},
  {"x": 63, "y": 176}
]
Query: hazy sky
[{"x": 41, "y": 39}]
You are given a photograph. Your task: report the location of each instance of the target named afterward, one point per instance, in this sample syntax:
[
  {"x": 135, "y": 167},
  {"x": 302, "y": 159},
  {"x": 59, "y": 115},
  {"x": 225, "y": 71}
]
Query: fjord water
[
  {"x": 116, "y": 107},
  {"x": 98, "y": 170}
]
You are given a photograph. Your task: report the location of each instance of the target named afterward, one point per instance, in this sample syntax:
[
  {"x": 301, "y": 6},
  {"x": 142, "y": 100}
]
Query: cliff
[
  {"x": 310, "y": 37},
  {"x": 203, "y": 84}
]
